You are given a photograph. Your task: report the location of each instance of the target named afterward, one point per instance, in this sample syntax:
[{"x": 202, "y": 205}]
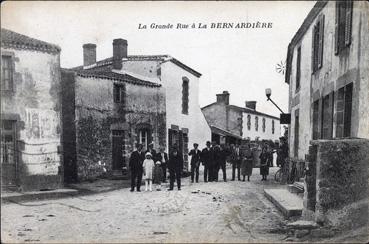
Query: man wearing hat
[
  {"x": 151, "y": 150},
  {"x": 207, "y": 158},
  {"x": 135, "y": 166},
  {"x": 195, "y": 162},
  {"x": 175, "y": 166}
]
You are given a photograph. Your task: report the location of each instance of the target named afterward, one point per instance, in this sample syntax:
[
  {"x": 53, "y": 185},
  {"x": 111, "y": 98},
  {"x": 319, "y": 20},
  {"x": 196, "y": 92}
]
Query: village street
[{"x": 232, "y": 211}]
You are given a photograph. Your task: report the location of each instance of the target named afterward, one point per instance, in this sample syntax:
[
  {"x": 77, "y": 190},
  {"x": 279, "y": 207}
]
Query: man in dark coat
[
  {"x": 175, "y": 166},
  {"x": 135, "y": 166},
  {"x": 162, "y": 156},
  {"x": 195, "y": 162},
  {"x": 206, "y": 159},
  {"x": 151, "y": 150},
  {"x": 222, "y": 161},
  {"x": 236, "y": 162}
]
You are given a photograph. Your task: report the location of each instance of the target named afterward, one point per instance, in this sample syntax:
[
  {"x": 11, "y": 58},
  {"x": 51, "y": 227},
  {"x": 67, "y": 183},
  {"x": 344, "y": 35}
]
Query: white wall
[
  {"x": 267, "y": 135},
  {"x": 199, "y": 131}
]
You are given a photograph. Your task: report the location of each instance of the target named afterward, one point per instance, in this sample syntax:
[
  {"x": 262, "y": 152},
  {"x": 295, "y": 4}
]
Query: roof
[
  {"x": 220, "y": 131},
  {"x": 243, "y": 109},
  {"x": 161, "y": 58},
  {"x": 13, "y": 39},
  {"x": 110, "y": 75},
  {"x": 319, "y": 5}
]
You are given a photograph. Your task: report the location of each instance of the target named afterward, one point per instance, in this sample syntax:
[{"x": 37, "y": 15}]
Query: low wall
[{"x": 341, "y": 182}]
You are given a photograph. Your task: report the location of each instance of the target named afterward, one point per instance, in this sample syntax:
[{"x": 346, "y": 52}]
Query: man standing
[
  {"x": 206, "y": 159},
  {"x": 236, "y": 162},
  {"x": 195, "y": 162},
  {"x": 152, "y": 151},
  {"x": 162, "y": 156},
  {"x": 224, "y": 152},
  {"x": 175, "y": 166},
  {"x": 135, "y": 165}
]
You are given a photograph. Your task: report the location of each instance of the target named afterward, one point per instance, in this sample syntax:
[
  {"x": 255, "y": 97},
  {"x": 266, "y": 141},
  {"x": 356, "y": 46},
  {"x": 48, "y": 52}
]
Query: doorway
[
  {"x": 118, "y": 148},
  {"x": 8, "y": 153}
]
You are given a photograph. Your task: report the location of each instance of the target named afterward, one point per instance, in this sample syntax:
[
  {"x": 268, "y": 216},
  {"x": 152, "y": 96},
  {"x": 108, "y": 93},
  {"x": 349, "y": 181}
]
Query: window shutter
[
  {"x": 321, "y": 42},
  {"x": 340, "y": 106},
  {"x": 313, "y": 51},
  {"x": 336, "y": 29},
  {"x": 348, "y": 23}
]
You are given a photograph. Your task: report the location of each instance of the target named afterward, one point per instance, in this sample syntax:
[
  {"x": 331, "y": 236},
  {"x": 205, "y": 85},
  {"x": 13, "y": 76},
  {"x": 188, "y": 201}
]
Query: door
[
  {"x": 118, "y": 147},
  {"x": 8, "y": 155}
]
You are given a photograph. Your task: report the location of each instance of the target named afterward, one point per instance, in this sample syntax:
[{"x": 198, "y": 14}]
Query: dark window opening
[
  {"x": 298, "y": 69},
  {"x": 344, "y": 111},
  {"x": 273, "y": 125},
  {"x": 256, "y": 123},
  {"x": 263, "y": 124},
  {"x": 119, "y": 93},
  {"x": 185, "y": 94},
  {"x": 249, "y": 122},
  {"x": 317, "y": 45},
  {"x": 343, "y": 25},
  {"x": 316, "y": 120},
  {"x": 6, "y": 73},
  {"x": 327, "y": 116}
]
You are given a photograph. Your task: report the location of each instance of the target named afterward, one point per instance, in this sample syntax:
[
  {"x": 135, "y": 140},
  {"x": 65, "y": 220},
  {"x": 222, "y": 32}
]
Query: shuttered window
[
  {"x": 185, "y": 94},
  {"x": 317, "y": 44},
  {"x": 298, "y": 69},
  {"x": 327, "y": 116},
  {"x": 6, "y": 73},
  {"x": 343, "y": 25},
  {"x": 343, "y": 111},
  {"x": 316, "y": 120},
  {"x": 119, "y": 93},
  {"x": 256, "y": 123}
]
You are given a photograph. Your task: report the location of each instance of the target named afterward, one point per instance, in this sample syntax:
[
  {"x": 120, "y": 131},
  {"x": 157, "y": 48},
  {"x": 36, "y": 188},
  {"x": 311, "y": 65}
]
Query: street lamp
[{"x": 284, "y": 118}]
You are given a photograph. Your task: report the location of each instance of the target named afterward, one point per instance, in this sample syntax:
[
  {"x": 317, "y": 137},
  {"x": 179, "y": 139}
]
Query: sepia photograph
[{"x": 184, "y": 121}]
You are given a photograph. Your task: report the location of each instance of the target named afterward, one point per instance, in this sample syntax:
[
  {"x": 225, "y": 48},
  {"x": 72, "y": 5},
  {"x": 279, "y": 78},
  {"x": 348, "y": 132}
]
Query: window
[
  {"x": 256, "y": 123},
  {"x": 273, "y": 129},
  {"x": 327, "y": 116},
  {"x": 185, "y": 93},
  {"x": 249, "y": 122},
  {"x": 143, "y": 138},
  {"x": 343, "y": 111},
  {"x": 316, "y": 120},
  {"x": 119, "y": 93},
  {"x": 6, "y": 73},
  {"x": 7, "y": 142},
  {"x": 263, "y": 125},
  {"x": 343, "y": 25},
  {"x": 298, "y": 69},
  {"x": 317, "y": 45},
  {"x": 297, "y": 128}
]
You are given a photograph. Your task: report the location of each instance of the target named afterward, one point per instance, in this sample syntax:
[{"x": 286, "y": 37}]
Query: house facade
[
  {"x": 184, "y": 122},
  {"x": 230, "y": 123},
  {"x": 328, "y": 72},
  {"x": 31, "y": 129},
  {"x": 105, "y": 114}
]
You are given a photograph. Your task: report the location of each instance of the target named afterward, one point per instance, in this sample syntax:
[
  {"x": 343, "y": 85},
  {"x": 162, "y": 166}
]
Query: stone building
[
  {"x": 106, "y": 112},
  {"x": 328, "y": 75},
  {"x": 230, "y": 123},
  {"x": 31, "y": 152},
  {"x": 184, "y": 122}
]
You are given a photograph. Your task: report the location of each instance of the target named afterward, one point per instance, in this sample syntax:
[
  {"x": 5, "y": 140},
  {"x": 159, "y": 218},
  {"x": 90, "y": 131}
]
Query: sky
[{"x": 240, "y": 61}]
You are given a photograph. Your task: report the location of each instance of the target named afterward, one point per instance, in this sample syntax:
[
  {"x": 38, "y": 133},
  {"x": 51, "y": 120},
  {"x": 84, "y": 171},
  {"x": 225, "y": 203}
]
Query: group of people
[{"x": 152, "y": 166}]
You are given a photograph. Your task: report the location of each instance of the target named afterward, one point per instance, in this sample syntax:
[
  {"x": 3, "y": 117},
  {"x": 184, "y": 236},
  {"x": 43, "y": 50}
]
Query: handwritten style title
[{"x": 221, "y": 25}]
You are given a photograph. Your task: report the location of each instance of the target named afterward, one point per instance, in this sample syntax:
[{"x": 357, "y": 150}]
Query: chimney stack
[
  {"x": 119, "y": 52},
  {"x": 89, "y": 54},
  {"x": 223, "y": 98},
  {"x": 251, "y": 104}
]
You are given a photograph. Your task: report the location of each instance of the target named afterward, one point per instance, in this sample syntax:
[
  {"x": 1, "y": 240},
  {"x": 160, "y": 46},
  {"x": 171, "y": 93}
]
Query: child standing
[
  {"x": 158, "y": 175},
  {"x": 148, "y": 166}
]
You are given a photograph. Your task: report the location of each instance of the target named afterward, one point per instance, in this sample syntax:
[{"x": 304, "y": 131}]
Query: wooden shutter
[
  {"x": 321, "y": 41},
  {"x": 348, "y": 22},
  {"x": 340, "y": 106},
  {"x": 348, "y": 111},
  {"x": 313, "y": 51},
  {"x": 336, "y": 28}
]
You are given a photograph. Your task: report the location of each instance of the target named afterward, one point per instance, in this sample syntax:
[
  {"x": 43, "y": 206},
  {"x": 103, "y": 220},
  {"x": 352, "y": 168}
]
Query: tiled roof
[
  {"x": 245, "y": 110},
  {"x": 110, "y": 75},
  {"x": 15, "y": 40},
  {"x": 162, "y": 58},
  {"x": 217, "y": 130}
]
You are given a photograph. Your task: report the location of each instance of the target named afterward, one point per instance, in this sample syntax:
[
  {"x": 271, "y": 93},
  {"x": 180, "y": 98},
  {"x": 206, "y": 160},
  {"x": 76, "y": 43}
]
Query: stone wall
[
  {"x": 34, "y": 106},
  {"x": 341, "y": 182}
]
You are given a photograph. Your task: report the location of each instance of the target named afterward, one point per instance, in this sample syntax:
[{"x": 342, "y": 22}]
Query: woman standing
[
  {"x": 246, "y": 163},
  {"x": 264, "y": 162}
]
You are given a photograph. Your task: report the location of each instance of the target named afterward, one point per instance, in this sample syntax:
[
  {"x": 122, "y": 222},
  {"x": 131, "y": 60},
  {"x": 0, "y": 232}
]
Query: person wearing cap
[
  {"x": 148, "y": 167},
  {"x": 195, "y": 162},
  {"x": 135, "y": 166},
  {"x": 206, "y": 159},
  {"x": 175, "y": 166}
]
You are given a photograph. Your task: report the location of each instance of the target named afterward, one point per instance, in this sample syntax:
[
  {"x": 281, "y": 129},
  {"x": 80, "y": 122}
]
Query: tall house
[
  {"x": 231, "y": 124},
  {"x": 159, "y": 87},
  {"x": 328, "y": 75},
  {"x": 31, "y": 152}
]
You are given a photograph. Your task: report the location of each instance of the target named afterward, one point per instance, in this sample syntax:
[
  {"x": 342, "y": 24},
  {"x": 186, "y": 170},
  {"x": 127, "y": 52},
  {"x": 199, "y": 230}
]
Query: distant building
[
  {"x": 230, "y": 123},
  {"x": 31, "y": 152},
  {"x": 328, "y": 75},
  {"x": 106, "y": 112}
]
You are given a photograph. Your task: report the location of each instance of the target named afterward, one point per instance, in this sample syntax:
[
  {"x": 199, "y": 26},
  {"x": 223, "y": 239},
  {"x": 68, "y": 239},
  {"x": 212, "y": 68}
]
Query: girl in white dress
[{"x": 148, "y": 167}]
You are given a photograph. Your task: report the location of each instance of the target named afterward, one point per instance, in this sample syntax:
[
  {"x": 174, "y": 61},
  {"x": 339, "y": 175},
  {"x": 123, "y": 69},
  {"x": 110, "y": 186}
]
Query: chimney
[
  {"x": 251, "y": 104},
  {"x": 119, "y": 52},
  {"x": 223, "y": 98},
  {"x": 89, "y": 54}
]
